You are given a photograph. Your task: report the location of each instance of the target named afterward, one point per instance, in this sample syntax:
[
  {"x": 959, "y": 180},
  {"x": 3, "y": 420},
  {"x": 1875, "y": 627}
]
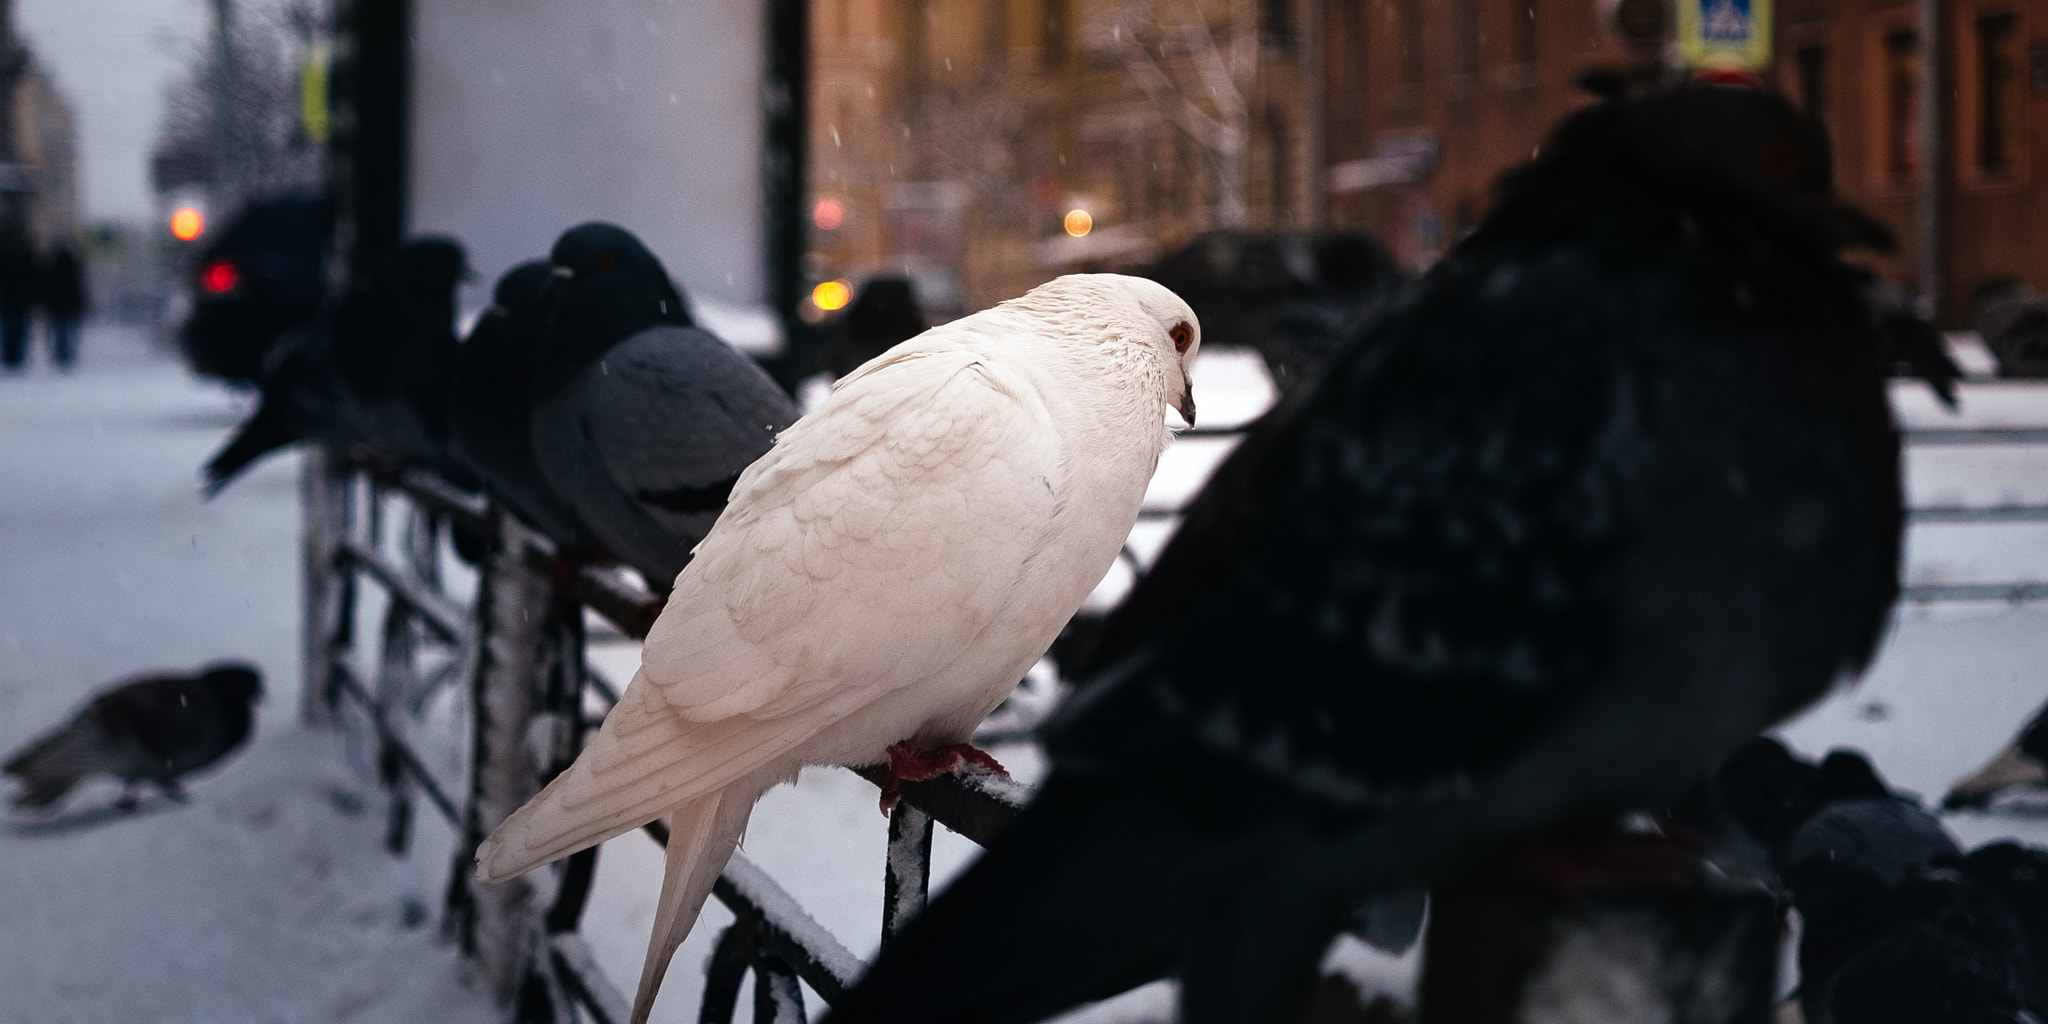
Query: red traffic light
[{"x": 218, "y": 277}]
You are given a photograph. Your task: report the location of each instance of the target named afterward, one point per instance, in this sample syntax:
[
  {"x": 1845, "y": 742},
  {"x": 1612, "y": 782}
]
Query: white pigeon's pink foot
[{"x": 911, "y": 763}]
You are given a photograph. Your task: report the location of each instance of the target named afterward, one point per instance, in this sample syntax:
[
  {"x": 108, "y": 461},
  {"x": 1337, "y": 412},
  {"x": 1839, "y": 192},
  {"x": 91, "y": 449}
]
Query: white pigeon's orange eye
[{"x": 1182, "y": 336}]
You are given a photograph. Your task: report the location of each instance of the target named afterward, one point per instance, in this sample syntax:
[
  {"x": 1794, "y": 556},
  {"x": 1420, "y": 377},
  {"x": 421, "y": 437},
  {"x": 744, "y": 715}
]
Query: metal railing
[
  {"x": 521, "y": 642},
  {"x": 2015, "y": 591}
]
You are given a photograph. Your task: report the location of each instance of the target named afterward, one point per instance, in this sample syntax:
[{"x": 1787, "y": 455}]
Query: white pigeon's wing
[
  {"x": 870, "y": 548},
  {"x": 879, "y": 541}
]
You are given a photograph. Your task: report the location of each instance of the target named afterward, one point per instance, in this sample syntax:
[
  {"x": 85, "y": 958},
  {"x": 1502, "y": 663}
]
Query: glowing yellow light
[
  {"x": 1078, "y": 223},
  {"x": 187, "y": 224},
  {"x": 831, "y": 295}
]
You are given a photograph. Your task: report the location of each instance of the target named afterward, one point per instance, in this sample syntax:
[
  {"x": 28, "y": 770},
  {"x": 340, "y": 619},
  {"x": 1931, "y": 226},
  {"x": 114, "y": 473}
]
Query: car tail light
[{"x": 218, "y": 277}]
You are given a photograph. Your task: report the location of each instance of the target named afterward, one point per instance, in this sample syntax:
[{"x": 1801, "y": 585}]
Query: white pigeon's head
[{"x": 1128, "y": 316}]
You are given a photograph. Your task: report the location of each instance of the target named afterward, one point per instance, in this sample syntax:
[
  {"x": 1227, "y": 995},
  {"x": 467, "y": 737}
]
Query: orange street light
[
  {"x": 831, "y": 295},
  {"x": 187, "y": 224},
  {"x": 1078, "y": 223}
]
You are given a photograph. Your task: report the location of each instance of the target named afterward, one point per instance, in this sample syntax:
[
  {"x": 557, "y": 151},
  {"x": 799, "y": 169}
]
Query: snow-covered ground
[{"x": 269, "y": 898}]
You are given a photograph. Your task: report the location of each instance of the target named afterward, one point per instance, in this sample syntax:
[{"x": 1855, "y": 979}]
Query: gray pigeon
[
  {"x": 642, "y": 422},
  {"x": 156, "y": 729},
  {"x": 490, "y": 406}
]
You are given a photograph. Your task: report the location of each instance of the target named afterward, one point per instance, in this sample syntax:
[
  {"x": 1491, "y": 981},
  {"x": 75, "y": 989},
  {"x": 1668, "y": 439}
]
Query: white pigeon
[{"x": 886, "y": 573}]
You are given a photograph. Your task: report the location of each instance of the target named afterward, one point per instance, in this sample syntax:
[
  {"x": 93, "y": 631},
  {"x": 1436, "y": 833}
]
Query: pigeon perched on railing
[
  {"x": 881, "y": 579},
  {"x": 1614, "y": 489},
  {"x": 641, "y": 421},
  {"x": 156, "y": 729},
  {"x": 490, "y": 406},
  {"x": 369, "y": 371}
]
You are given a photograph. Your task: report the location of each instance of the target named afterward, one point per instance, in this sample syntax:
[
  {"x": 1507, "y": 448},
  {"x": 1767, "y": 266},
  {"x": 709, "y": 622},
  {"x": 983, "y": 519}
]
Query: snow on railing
[
  {"x": 2014, "y": 592},
  {"x": 522, "y": 641}
]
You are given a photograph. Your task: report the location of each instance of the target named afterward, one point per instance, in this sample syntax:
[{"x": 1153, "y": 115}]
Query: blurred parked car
[
  {"x": 2012, "y": 318},
  {"x": 261, "y": 275}
]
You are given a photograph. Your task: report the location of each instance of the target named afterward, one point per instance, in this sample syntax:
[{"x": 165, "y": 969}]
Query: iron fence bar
[
  {"x": 777, "y": 1000},
  {"x": 1943, "y": 437},
  {"x": 730, "y": 959},
  {"x": 907, "y": 870},
  {"x": 437, "y": 612},
  {"x": 779, "y": 923},
  {"x": 394, "y": 671},
  {"x": 469, "y": 511},
  {"x": 349, "y": 685},
  {"x": 1942, "y": 515},
  {"x": 577, "y": 966},
  {"x": 324, "y": 495},
  {"x": 2012, "y": 593},
  {"x": 976, "y": 803}
]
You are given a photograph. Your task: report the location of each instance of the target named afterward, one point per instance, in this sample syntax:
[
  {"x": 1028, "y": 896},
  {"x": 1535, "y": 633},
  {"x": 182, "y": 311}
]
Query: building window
[
  {"x": 1525, "y": 30},
  {"x": 1055, "y": 24},
  {"x": 1811, "y": 65},
  {"x": 1901, "y": 107},
  {"x": 1465, "y": 40},
  {"x": 1276, "y": 29},
  {"x": 1998, "y": 86},
  {"x": 1411, "y": 43}
]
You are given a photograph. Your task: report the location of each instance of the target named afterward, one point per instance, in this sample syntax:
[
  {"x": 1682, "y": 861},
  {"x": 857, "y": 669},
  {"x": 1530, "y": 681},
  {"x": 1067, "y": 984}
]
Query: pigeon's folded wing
[
  {"x": 670, "y": 382},
  {"x": 877, "y": 545}
]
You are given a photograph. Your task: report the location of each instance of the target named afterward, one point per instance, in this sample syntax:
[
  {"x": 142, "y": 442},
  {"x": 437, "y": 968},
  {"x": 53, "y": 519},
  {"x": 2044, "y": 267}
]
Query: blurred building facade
[
  {"x": 1858, "y": 65},
  {"x": 1427, "y": 101},
  {"x": 950, "y": 139}
]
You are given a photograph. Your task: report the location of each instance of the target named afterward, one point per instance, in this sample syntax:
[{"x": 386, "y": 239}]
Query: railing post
[
  {"x": 394, "y": 683},
  {"x": 730, "y": 958},
  {"x": 907, "y": 872},
  {"x": 324, "y": 501},
  {"x": 499, "y": 924},
  {"x": 778, "y": 999}
]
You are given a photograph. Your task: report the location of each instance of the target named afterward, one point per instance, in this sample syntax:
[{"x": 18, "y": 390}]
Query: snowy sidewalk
[{"x": 268, "y": 898}]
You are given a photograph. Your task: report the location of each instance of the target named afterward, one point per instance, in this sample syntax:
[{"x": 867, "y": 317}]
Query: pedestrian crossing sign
[{"x": 1725, "y": 33}]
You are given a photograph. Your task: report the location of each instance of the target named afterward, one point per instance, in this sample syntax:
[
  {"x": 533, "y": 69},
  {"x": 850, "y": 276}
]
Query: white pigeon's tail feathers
[
  {"x": 644, "y": 762},
  {"x": 701, "y": 837}
]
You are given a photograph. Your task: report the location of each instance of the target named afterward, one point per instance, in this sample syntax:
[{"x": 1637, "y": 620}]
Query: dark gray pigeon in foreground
[
  {"x": 642, "y": 422},
  {"x": 1614, "y": 489},
  {"x": 369, "y": 371},
  {"x": 490, "y": 406},
  {"x": 156, "y": 729}
]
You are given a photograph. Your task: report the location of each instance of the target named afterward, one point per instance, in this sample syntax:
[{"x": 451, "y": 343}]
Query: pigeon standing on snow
[
  {"x": 371, "y": 370},
  {"x": 641, "y": 421},
  {"x": 881, "y": 579},
  {"x": 2020, "y": 766},
  {"x": 155, "y": 729},
  {"x": 1616, "y": 488},
  {"x": 490, "y": 406}
]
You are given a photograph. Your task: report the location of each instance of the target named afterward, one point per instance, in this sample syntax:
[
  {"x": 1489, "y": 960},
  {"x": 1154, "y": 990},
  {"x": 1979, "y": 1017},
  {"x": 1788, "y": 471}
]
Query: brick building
[
  {"x": 950, "y": 138},
  {"x": 1427, "y": 102}
]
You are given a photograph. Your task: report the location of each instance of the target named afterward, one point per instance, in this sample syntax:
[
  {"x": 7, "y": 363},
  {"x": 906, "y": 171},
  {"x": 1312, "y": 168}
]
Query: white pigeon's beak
[
  {"x": 1187, "y": 401},
  {"x": 564, "y": 272}
]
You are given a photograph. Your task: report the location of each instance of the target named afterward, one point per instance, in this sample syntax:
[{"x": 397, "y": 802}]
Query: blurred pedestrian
[
  {"x": 17, "y": 294},
  {"x": 61, "y": 292}
]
